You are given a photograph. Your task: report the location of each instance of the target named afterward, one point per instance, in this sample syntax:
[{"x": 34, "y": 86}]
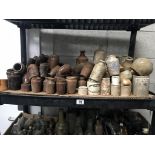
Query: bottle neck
[{"x": 82, "y": 53}]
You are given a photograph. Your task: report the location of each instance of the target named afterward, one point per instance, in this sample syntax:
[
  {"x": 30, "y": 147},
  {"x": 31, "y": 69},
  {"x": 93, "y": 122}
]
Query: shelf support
[
  {"x": 132, "y": 43},
  {"x": 25, "y": 108}
]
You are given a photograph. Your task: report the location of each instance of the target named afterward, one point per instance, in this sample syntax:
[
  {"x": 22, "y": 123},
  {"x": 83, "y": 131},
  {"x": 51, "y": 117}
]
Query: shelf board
[{"x": 109, "y": 102}]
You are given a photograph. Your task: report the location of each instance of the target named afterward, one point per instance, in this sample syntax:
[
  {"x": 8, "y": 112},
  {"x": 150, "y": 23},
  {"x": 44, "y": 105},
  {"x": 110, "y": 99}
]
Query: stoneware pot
[
  {"x": 53, "y": 61},
  {"x": 61, "y": 86},
  {"x": 65, "y": 70},
  {"x": 19, "y": 67},
  {"x": 77, "y": 68},
  {"x": 71, "y": 84},
  {"x": 82, "y": 82},
  {"x": 115, "y": 80},
  {"x": 32, "y": 71},
  {"x": 82, "y": 58},
  {"x": 44, "y": 84},
  {"x": 115, "y": 90},
  {"x": 125, "y": 90},
  {"x": 82, "y": 90},
  {"x": 94, "y": 88},
  {"x": 105, "y": 86},
  {"x": 126, "y": 75},
  {"x": 99, "y": 55},
  {"x": 87, "y": 69},
  {"x": 113, "y": 65},
  {"x": 50, "y": 85},
  {"x": 26, "y": 87},
  {"x": 54, "y": 71},
  {"x": 98, "y": 71},
  {"x": 142, "y": 66},
  {"x": 43, "y": 69},
  {"x": 36, "y": 84},
  {"x": 127, "y": 63}
]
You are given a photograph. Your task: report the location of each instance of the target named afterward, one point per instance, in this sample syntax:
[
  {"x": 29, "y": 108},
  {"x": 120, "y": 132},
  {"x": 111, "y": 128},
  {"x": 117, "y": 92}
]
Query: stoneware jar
[
  {"x": 43, "y": 69},
  {"x": 82, "y": 90},
  {"x": 54, "y": 71},
  {"x": 94, "y": 88},
  {"x": 50, "y": 85},
  {"x": 32, "y": 71},
  {"x": 3, "y": 84},
  {"x": 87, "y": 69},
  {"x": 65, "y": 70},
  {"x": 19, "y": 67},
  {"x": 105, "y": 86},
  {"x": 53, "y": 61},
  {"x": 115, "y": 90},
  {"x": 82, "y": 58},
  {"x": 142, "y": 66},
  {"x": 125, "y": 90},
  {"x": 126, "y": 75},
  {"x": 71, "y": 84},
  {"x": 113, "y": 65},
  {"x": 36, "y": 84},
  {"x": 141, "y": 86},
  {"x": 61, "y": 86},
  {"x": 77, "y": 68},
  {"x": 115, "y": 80},
  {"x": 82, "y": 82},
  {"x": 127, "y": 63},
  {"x": 14, "y": 80},
  {"x": 26, "y": 87},
  {"x": 98, "y": 71},
  {"x": 126, "y": 82},
  {"x": 99, "y": 55}
]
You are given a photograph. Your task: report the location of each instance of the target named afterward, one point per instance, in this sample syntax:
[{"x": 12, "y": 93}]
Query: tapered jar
[
  {"x": 50, "y": 85},
  {"x": 71, "y": 84},
  {"x": 36, "y": 84}
]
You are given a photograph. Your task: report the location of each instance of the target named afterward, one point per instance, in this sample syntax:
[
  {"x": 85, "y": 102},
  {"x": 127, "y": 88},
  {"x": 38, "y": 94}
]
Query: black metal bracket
[{"x": 132, "y": 43}]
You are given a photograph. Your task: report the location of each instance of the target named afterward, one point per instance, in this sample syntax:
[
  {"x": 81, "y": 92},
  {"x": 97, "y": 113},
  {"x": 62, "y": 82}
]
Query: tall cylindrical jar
[
  {"x": 94, "y": 88},
  {"x": 32, "y": 71},
  {"x": 98, "y": 71},
  {"x": 44, "y": 84},
  {"x": 43, "y": 69},
  {"x": 125, "y": 90},
  {"x": 99, "y": 55},
  {"x": 36, "y": 84},
  {"x": 71, "y": 84},
  {"x": 105, "y": 86},
  {"x": 141, "y": 86},
  {"x": 113, "y": 65},
  {"x": 50, "y": 85},
  {"x": 61, "y": 87},
  {"x": 53, "y": 61},
  {"x": 115, "y": 90},
  {"x": 82, "y": 82}
]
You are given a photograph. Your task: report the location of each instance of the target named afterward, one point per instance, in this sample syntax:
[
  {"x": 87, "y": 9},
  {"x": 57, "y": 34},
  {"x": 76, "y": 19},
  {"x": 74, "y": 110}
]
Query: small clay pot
[
  {"x": 61, "y": 86},
  {"x": 71, "y": 84},
  {"x": 26, "y": 87},
  {"x": 19, "y": 67},
  {"x": 53, "y": 61},
  {"x": 94, "y": 87},
  {"x": 87, "y": 69},
  {"x": 82, "y": 58},
  {"x": 54, "y": 71},
  {"x": 115, "y": 90},
  {"x": 36, "y": 84},
  {"x": 50, "y": 85},
  {"x": 43, "y": 69},
  {"x": 3, "y": 84},
  {"x": 127, "y": 63},
  {"x": 82, "y": 82},
  {"x": 65, "y": 70},
  {"x": 32, "y": 71}
]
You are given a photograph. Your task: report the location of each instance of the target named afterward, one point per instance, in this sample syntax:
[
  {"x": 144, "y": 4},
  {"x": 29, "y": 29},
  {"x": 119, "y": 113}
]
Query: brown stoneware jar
[
  {"x": 71, "y": 84},
  {"x": 53, "y": 61},
  {"x": 54, "y": 71},
  {"x": 82, "y": 82},
  {"x": 32, "y": 71},
  {"x": 3, "y": 84},
  {"x": 50, "y": 85},
  {"x": 44, "y": 84},
  {"x": 77, "y": 68},
  {"x": 82, "y": 58},
  {"x": 65, "y": 70},
  {"x": 43, "y": 69},
  {"x": 26, "y": 87},
  {"x": 14, "y": 80},
  {"x": 19, "y": 67},
  {"x": 61, "y": 86},
  {"x": 87, "y": 69},
  {"x": 36, "y": 84}
]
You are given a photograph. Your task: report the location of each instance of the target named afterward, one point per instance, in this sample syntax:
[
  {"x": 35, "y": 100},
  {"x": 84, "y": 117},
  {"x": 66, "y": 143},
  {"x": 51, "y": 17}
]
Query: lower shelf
[{"x": 76, "y": 101}]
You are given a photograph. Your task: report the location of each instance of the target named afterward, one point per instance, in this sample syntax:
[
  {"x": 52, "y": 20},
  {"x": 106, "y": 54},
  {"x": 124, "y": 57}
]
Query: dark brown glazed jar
[
  {"x": 19, "y": 67},
  {"x": 71, "y": 84},
  {"x": 14, "y": 80},
  {"x": 43, "y": 69},
  {"x": 61, "y": 86},
  {"x": 64, "y": 70},
  {"x": 82, "y": 82},
  {"x": 53, "y": 61},
  {"x": 36, "y": 84},
  {"x": 87, "y": 69},
  {"x": 54, "y": 71},
  {"x": 82, "y": 58},
  {"x": 50, "y": 85},
  {"x": 26, "y": 87},
  {"x": 32, "y": 71}
]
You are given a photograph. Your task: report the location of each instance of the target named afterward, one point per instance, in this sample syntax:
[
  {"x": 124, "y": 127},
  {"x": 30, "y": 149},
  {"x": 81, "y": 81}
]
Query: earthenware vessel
[
  {"x": 126, "y": 75},
  {"x": 83, "y": 90},
  {"x": 105, "y": 86},
  {"x": 142, "y": 66},
  {"x": 19, "y": 67},
  {"x": 36, "y": 84},
  {"x": 32, "y": 71},
  {"x": 53, "y": 61},
  {"x": 61, "y": 86},
  {"x": 115, "y": 90},
  {"x": 71, "y": 84},
  {"x": 98, "y": 71},
  {"x": 50, "y": 85},
  {"x": 127, "y": 63},
  {"x": 26, "y": 87},
  {"x": 65, "y": 70},
  {"x": 99, "y": 55},
  {"x": 54, "y": 71},
  {"x": 115, "y": 80},
  {"x": 43, "y": 69},
  {"x": 3, "y": 84},
  {"x": 82, "y": 58},
  {"x": 125, "y": 90},
  {"x": 82, "y": 82},
  {"x": 94, "y": 88}
]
